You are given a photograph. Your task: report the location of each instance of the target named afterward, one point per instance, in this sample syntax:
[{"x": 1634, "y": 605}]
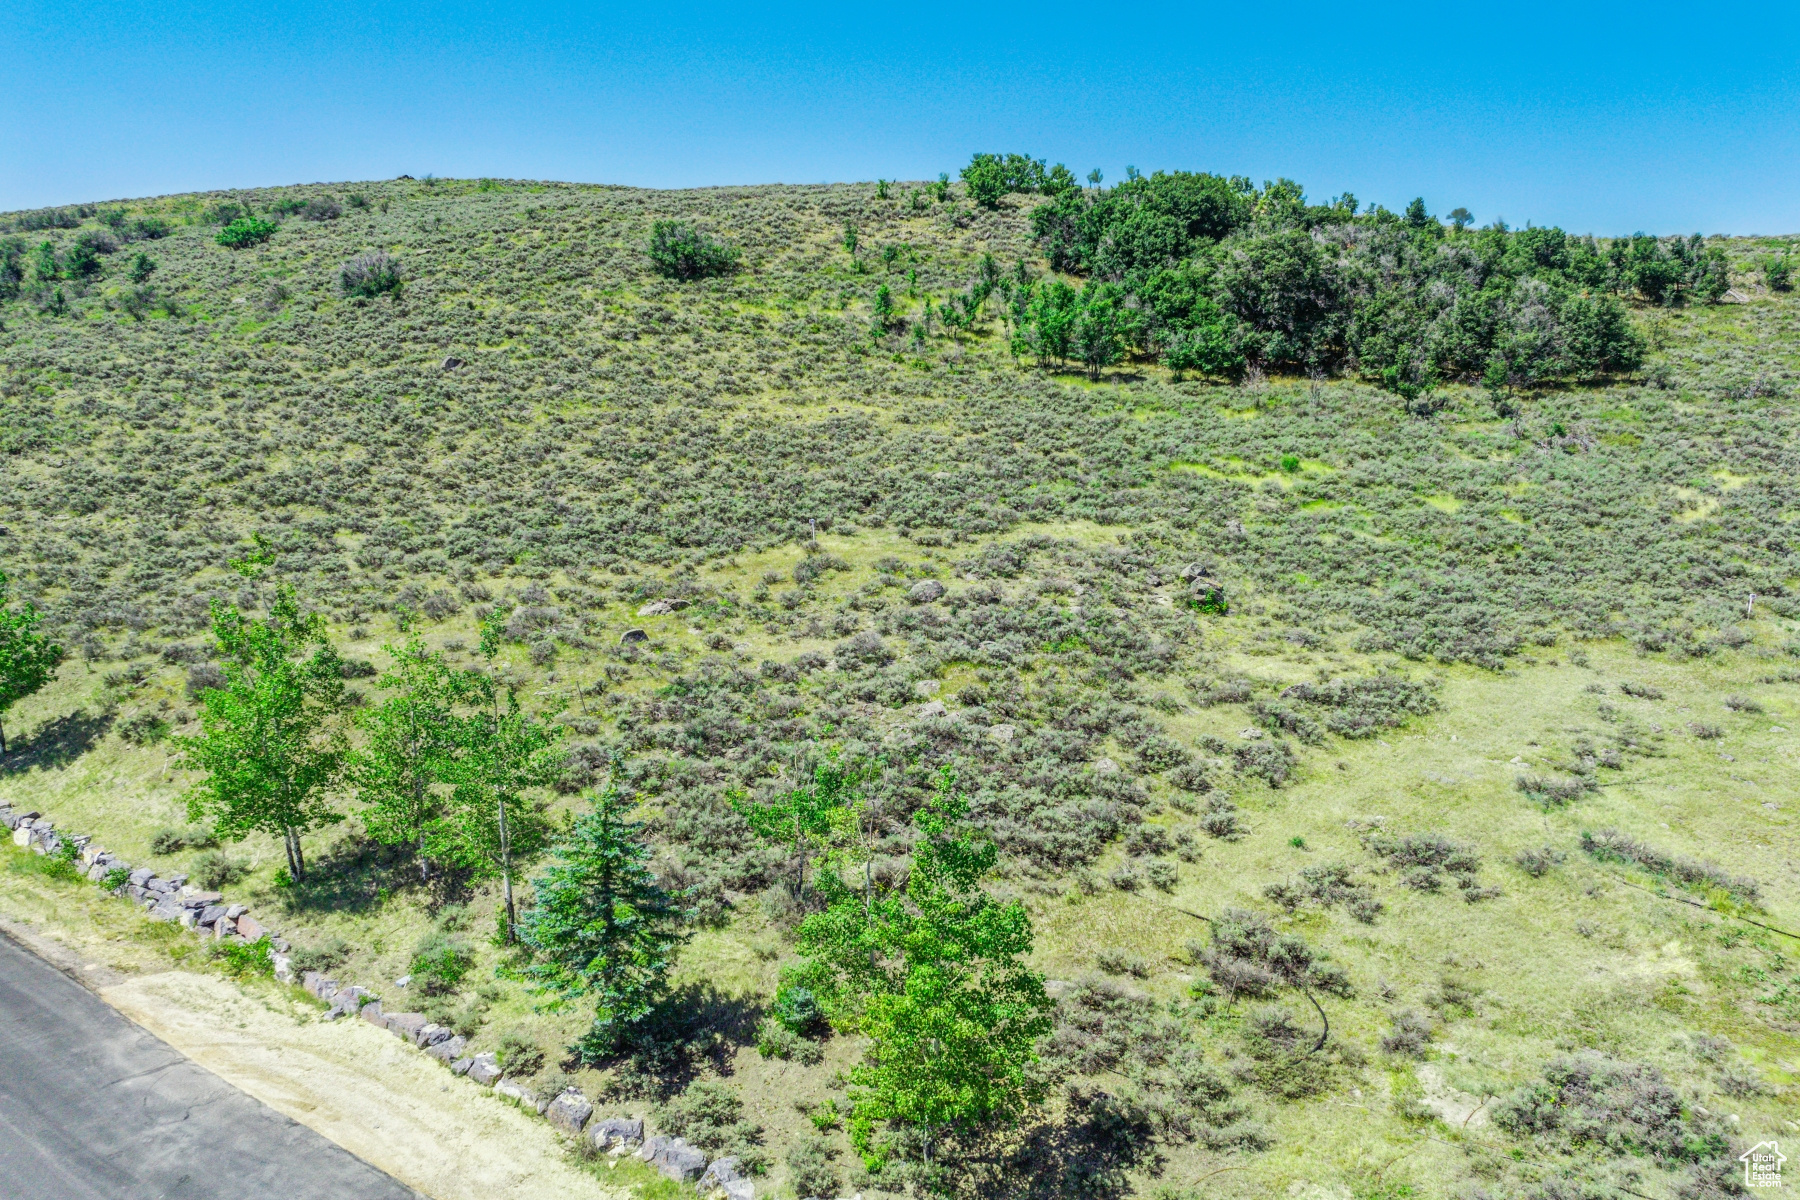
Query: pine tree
[
  {"x": 28, "y": 659},
  {"x": 272, "y": 744},
  {"x": 603, "y": 928}
]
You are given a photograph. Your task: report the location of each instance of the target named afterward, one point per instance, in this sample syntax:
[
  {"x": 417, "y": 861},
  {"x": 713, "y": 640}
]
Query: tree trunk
[
  {"x": 296, "y": 864},
  {"x": 506, "y": 872},
  {"x": 2, "y": 741},
  {"x": 424, "y": 865}
]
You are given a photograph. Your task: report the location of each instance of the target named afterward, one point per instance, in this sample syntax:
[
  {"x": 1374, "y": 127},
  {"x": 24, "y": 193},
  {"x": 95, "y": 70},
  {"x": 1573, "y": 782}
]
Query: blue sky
[{"x": 1604, "y": 119}]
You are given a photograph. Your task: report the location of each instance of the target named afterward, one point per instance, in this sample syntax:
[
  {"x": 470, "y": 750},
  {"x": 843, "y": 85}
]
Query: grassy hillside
[{"x": 1539, "y": 614}]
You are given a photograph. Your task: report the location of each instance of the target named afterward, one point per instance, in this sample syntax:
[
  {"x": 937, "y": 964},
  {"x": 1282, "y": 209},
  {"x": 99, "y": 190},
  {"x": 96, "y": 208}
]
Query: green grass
[{"x": 613, "y": 438}]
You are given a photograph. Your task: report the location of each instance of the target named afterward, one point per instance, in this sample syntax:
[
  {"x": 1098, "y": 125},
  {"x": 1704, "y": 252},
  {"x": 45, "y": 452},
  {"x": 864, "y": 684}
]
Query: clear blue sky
[{"x": 1601, "y": 118}]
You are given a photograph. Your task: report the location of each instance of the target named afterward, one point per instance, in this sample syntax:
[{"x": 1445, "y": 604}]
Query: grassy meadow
[{"x": 1507, "y": 625}]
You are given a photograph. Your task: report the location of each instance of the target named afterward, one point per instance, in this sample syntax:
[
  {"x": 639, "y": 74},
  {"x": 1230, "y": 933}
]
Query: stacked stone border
[{"x": 209, "y": 916}]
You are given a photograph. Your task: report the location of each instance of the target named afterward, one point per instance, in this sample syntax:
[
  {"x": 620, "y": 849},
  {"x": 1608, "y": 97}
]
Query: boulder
[
  {"x": 933, "y": 709},
  {"x": 1003, "y": 733},
  {"x": 141, "y": 877},
  {"x": 224, "y": 927},
  {"x": 616, "y": 1131},
  {"x": 739, "y": 1189},
  {"x": 461, "y": 1066},
  {"x": 237, "y": 910},
  {"x": 347, "y": 1002},
  {"x": 1105, "y": 766},
  {"x": 200, "y": 899},
  {"x": 166, "y": 911},
  {"x": 484, "y": 1070},
  {"x": 721, "y": 1172},
  {"x": 163, "y": 887},
  {"x": 316, "y": 984},
  {"x": 431, "y": 1035},
  {"x": 449, "y": 1051},
  {"x": 925, "y": 591},
  {"x": 569, "y": 1112},
  {"x": 210, "y": 915},
  {"x": 22, "y": 836},
  {"x": 675, "y": 1158},
  {"x": 406, "y": 1025},
  {"x": 656, "y": 608},
  {"x": 249, "y": 928},
  {"x": 632, "y": 637},
  {"x": 284, "y": 966},
  {"x": 518, "y": 1091},
  {"x": 97, "y": 871},
  {"x": 450, "y": 363}
]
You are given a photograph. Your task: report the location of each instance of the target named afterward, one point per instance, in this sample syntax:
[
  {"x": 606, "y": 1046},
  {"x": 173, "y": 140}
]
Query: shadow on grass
[
  {"x": 1083, "y": 1146},
  {"x": 353, "y": 875},
  {"x": 57, "y": 742},
  {"x": 697, "y": 1028}
]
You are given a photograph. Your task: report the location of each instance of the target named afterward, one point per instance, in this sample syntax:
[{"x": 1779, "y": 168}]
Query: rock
[
  {"x": 721, "y": 1172},
  {"x": 141, "y": 877},
  {"x": 22, "y": 836},
  {"x": 224, "y": 927},
  {"x": 96, "y": 872},
  {"x": 406, "y": 1025},
  {"x": 676, "y": 1159},
  {"x": 177, "y": 882},
  {"x": 249, "y": 928},
  {"x": 656, "y": 608},
  {"x": 518, "y": 1091},
  {"x": 925, "y": 591},
  {"x": 431, "y": 1035},
  {"x": 569, "y": 1112},
  {"x": 1003, "y": 733},
  {"x": 449, "y": 1051},
  {"x": 934, "y": 709},
  {"x": 166, "y": 911},
  {"x": 284, "y": 966},
  {"x": 616, "y": 1131},
  {"x": 1250, "y": 733},
  {"x": 461, "y": 1066},
  {"x": 200, "y": 899},
  {"x": 187, "y": 917},
  {"x": 926, "y": 687},
  {"x": 164, "y": 887},
  {"x": 450, "y": 363},
  {"x": 210, "y": 914},
  {"x": 741, "y": 1189},
  {"x": 371, "y": 1012},
  {"x": 1105, "y": 766},
  {"x": 632, "y": 637},
  {"x": 349, "y": 1002},
  {"x": 484, "y": 1070},
  {"x": 237, "y": 910},
  {"x": 90, "y": 853},
  {"x": 315, "y": 984}
]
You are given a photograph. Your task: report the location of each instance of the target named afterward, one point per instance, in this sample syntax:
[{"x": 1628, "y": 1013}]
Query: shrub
[
  {"x": 327, "y": 955},
  {"x": 173, "y": 841},
  {"x": 775, "y": 1040},
  {"x": 369, "y": 275},
  {"x": 1537, "y": 863},
  {"x": 215, "y": 869},
  {"x": 246, "y": 232},
  {"x": 1409, "y": 1036},
  {"x": 150, "y": 229},
  {"x": 1609, "y": 845},
  {"x": 440, "y": 960},
  {"x": 812, "y": 1171},
  {"x": 144, "y": 729},
  {"x": 519, "y": 1056},
  {"x": 1554, "y": 793},
  {"x": 242, "y": 961},
  {"x": 1705, "y": 732},
  {"x": 1122, "y": 962},
  {"x": 679, "y": 251},
  {"x": 1619, "y": 1107},
  {"x": 709, "y": 1115},
  {"x": 1742, "y": 704}
]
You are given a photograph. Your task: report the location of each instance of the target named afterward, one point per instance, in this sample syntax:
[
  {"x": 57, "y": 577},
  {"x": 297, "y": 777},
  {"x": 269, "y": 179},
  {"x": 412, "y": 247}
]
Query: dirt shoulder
[{"x": 354, "y": 1084}]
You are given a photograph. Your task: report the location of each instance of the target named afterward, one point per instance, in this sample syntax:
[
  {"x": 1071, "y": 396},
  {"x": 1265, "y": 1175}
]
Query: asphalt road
[{"x": 94, "y": 1108}]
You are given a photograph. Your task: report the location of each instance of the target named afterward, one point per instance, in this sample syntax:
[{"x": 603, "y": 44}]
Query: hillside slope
[{"x": 1455, "y": 643}]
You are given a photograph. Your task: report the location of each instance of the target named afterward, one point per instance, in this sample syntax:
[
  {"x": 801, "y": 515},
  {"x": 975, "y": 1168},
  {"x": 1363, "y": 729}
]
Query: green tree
[
  {"x": 803, "y": 818},
  {"x": 408, "y": 764},
  {"x": 602, "y": 926},
  {"x": 1098, "y": 336},
  {"x": 883, "y": 306},
  {"x": 246, "y": 232},
  {"x": 1460, "y": 218},
  {"x": 503, "y": 753},
  {"x": 28, "y": 658},
  {"x": 271, "y": 744},
  {"x": 985, "y": 177},
  {"x": 43, "y": 264},
  {"x": 1778, "y": 272},
  {"x": 679, "y": 251},
  {"x": 142, "y": 267},
  {"x": 935, "y": 976},
  {"x": 851, "y": 243}
]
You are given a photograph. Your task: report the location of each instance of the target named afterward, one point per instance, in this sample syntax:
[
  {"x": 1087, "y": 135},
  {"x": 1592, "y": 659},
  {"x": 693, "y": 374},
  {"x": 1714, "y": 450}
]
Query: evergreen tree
[
  {"x": 602, "y": 926},
  {"x": 272, "y": 743},
  {"x": 28, "y": 659}
]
